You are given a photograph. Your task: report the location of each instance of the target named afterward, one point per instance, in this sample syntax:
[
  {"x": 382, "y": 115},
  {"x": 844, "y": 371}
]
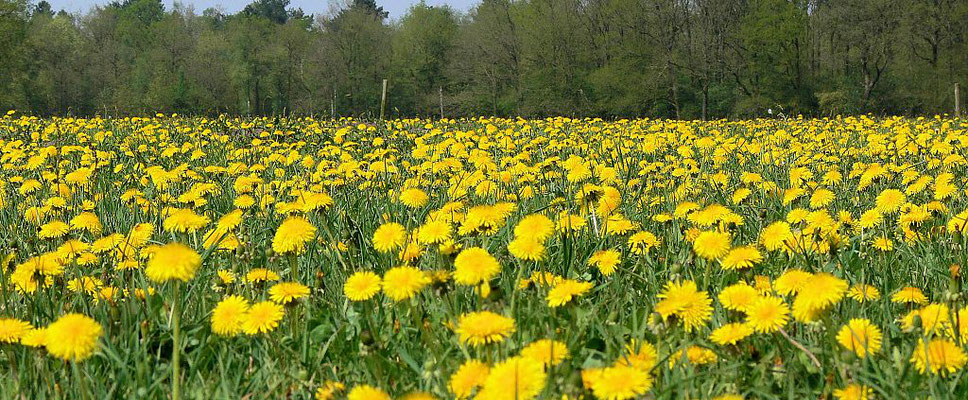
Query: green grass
[{"x": 407, "y": 346}]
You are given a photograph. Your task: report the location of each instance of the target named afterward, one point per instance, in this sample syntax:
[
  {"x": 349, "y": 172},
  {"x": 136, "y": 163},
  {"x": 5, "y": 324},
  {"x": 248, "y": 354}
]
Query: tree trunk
[{"x": 705, "y": 98}]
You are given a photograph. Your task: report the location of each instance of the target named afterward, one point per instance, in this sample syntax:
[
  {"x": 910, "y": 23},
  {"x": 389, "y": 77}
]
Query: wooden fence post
[
  {"x": 383, "y": 100},
  {"x": 957, "y": 99}
]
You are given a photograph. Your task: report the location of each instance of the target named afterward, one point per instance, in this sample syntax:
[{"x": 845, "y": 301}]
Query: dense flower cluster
[{"x": 486, "y": 258}]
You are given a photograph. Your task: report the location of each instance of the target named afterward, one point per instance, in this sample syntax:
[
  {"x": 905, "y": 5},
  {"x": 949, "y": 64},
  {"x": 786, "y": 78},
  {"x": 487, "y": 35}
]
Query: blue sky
[{"x": 396, "y": 7}]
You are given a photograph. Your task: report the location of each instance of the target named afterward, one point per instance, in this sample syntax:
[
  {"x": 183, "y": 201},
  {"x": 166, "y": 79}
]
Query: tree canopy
[{"x": 607, "y": 58}]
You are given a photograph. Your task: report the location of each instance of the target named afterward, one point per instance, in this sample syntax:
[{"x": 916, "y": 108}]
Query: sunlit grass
[{"x": 296, "y": 258}]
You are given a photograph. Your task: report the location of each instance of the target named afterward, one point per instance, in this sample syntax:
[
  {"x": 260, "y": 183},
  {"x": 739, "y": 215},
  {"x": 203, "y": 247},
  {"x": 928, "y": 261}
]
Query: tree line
[{"x": 607, "y": 58}]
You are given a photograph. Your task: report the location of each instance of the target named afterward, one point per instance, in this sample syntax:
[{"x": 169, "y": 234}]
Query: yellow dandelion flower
[
  {"x": 517, "y": 378},
  {"x": 402, "y": 283},
  {"x": 418, "y": 396},
  {"x": 767, "y": 314},
  {"x": 938, "y": 356},
  {"x": 173, "y": 261},
  {"x": 791, "y": 281},
  {"x": 230, "y": 221},
  {"x": 763, "y": 284},
  {"x": 547, "y": 351},
  {"x": 711, "y": 245},
  {"x": 639, "y": 354},
  {"x": 73, "y": 337},
  {"x": 184, "y": 220},
  {"x": 820, "y": 291},
  {"x": 863, "y": 293},
  {"x": 883, "y": 244},
  {"x": 140, "y": 235},
  {"x": 854, "y": 391},
  {"x": 621, "y": 382},
  {"x": 933, "y": 319},
  {"x": 909, "y": 295},
  {"x": 389, "y": 237},
  {"x": 410, "y": 252},
  {"x": 226, "y": 276},
  {"x": 228, "y": 315},
  {"x": 484, "y": 327},
  {"x": 328, "y": 390},
  {"x": 565, "y": 290},
  {"x": 569, "y": 222},
  {"x": 293, "y": 235},
  {"x": 685, "y": 301},
  {"x": 730, "y": 333},
  {"x": 694, "y": 355},
  {"x": 527, "y": 248},
  {"x": 12, "y": 330},
  {"x": 35, "y": 338},
  {"x": 261, "y": 275},
  {"x": 606, "y": 261},
  {"x": 434, "y": 232},
  {"x": 642, "y": 242},
  {"x": 535, "y": 227},
  {"x": 475, "y": 265},
  {"x": 286, "y": 292},
  {"x": 468, "y": 377},
  {"x": 362, "y": 286},
  {"x": 775, "y": 236},
  {"x": 262, "y": 317},
  {"x": 870, "y": 219},
  {"x": 890, "y": 200},
  {"x": 87, "y": 221},
  {"x": 860, "y": 336},
  {"x": 738, "y": 297},
  {"x": 740, "y": 194},
  {"x": 741, "y": 258},
  {"x": 413, "y": 198},
  {"x": 367, "y": 392},
  {"x": 53, "y": 229}
]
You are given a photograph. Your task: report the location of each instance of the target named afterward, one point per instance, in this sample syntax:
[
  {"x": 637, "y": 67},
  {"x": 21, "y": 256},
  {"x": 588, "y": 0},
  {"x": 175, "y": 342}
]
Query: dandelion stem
[
  {"x": 595, "y": 224},
  {"x": 293, "y": 267},
  {"x": 80, "y": 379},
  {"x": 175, "y": 351}
]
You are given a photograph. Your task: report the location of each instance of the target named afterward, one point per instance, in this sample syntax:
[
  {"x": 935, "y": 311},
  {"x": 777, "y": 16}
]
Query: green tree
[
  {"x": 771, "y": 72},
  {"x": 610, "y": 58},
  {"x": 54, "y": 79},
  {"x": 210, "y": 65},
  {"x": 358, "y": 43},
  {"x": 253, "y": 54},
  {"x": 273, "y": 10},
  {"x": 486, "y": 65},
  {"x": 13, "y": 27},
  {"x": 169, "y": 88},
  {"x": 295, "y": 39},
  {"x": 555, "y": 57},
  {"x": 863, "y": 36},
  {"x": 422, "y": 45}
]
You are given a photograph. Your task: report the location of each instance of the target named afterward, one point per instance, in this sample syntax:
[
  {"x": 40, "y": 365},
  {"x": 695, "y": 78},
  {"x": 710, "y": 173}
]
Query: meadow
[{"x": 487, "y": 258}]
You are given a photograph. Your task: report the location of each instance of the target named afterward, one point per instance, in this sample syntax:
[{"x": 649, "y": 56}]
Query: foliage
[{"x": 686, "y": 59}]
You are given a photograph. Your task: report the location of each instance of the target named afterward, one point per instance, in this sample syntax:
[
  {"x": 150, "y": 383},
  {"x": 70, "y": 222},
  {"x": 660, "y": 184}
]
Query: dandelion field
[{"x": 267, "y": 258}]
